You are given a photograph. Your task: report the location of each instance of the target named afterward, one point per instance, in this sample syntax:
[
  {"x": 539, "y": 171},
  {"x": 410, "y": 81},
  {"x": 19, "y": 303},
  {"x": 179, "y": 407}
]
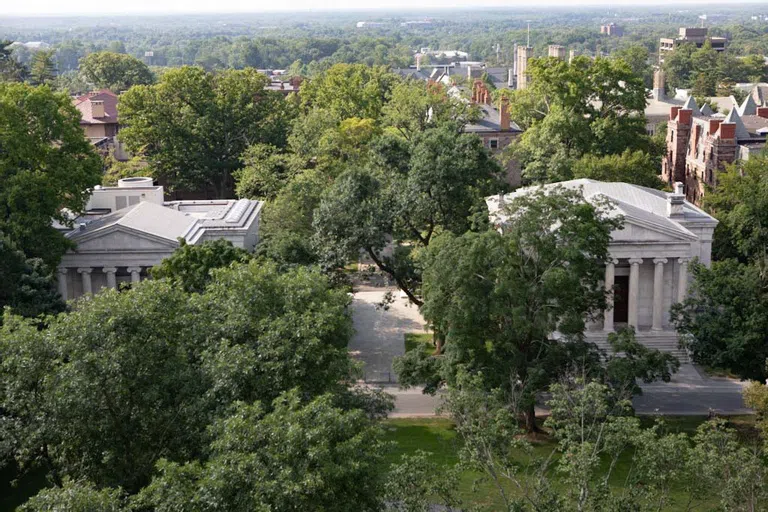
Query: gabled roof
[
  {"x": 706, "y": 110},
  {"x": 741, "y": 130},
  {"x": 84, "y": 105},
  {"x": 642, "y": 206},
  {"x": 144, "y": 217},
  {"x": 748, "y": 107},
  {"x": 691, "y": 104}
]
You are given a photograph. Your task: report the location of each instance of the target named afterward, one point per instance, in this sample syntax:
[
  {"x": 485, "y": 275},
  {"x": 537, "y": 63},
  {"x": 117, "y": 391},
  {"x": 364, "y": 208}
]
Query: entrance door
[{"x": 621, "y": 299}]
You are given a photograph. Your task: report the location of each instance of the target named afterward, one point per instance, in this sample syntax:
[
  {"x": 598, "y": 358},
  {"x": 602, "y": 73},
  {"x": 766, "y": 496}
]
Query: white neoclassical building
[
  {"x": 128, "y": 229},
  {"x": 650, "y": 254}
]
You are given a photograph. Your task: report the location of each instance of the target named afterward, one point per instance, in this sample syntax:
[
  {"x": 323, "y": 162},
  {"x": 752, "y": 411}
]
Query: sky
[{"x": 46, "y": 7}]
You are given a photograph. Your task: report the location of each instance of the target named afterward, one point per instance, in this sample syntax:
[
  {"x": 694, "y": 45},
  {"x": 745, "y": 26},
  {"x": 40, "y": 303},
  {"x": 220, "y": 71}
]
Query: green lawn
[
  {"x": 420, "y": 341},
  {"x": 438, "y": 437}
]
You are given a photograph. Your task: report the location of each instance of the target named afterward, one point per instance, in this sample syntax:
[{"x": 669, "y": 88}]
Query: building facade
[
  {"x": 692, "y": 35},
  {"x": 649, "y": 256},
  {"x": 128, "y": 229},
  {"x": 700, "y": 143},
  {"x": 612, "y": 29},
  {"x": 524, "y": 54}
]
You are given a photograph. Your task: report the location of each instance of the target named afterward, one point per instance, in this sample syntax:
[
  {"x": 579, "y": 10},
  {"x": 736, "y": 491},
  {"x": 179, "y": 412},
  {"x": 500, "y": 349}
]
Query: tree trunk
[
  {"x": 530, "y": 419},
  {"x": 389, "y": 270}
]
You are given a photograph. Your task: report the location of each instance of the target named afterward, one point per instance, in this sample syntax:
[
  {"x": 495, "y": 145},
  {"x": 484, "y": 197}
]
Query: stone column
[
  {"x": 62, "y": 281},
  {"x": 135, "y": 274},
  {"x": 111, "y": 278},
  {"x": 634, "y": 290},
  {"x": 85, "y": 274},
  {"x": 682, "y": 283},
  {"x": 610, "y": 272},
  {"x": 658, "y": 293}
]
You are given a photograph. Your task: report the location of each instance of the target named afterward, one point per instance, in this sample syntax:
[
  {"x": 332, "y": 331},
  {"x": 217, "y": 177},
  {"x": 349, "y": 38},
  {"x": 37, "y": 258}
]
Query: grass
[
  {"x": 438, "y": 437},
  {"x": 419, "y": 341}
]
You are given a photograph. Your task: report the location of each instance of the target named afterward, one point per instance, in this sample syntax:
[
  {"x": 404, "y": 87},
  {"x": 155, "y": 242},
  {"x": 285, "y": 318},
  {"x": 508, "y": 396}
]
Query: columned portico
[
  {"x": 85, "y": 275},
  {"x": 111, "y": 273},
  {"x": 62, "y": 282},
  {"x": 610, "y": 276},
  {"x": 135, "y": 274},
  {"x": 634, "y": 290},
  {"x": 658, "y": 290},
  {"x": 682, "y": 284}
]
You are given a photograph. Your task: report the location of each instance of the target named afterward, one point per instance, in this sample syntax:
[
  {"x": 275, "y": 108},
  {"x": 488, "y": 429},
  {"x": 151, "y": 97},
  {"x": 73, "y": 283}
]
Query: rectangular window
[
  {"x": 493, "y": 143},
  {"x": 120, "y": 202}
]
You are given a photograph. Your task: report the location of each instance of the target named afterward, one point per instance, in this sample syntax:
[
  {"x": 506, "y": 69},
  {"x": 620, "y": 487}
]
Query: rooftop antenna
[{"x": 528, "y": 42}]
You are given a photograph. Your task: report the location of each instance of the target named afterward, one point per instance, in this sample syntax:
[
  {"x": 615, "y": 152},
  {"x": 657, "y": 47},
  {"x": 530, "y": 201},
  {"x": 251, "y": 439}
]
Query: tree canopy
[
  {"x": 46, "y": 168},
  {"x": 115, "y": 71},
  {"x": 193, "y": 126}
]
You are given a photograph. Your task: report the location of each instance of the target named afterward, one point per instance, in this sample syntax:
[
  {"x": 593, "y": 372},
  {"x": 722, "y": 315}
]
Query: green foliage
[
  {"x": 117, "y": 170},
  {"x": 497, "y": 298},
  {"x": 349, "y": 90},
  {"x": 46, "y": 165},
  {"x": 438, "y": 183},
  {"x": 286, "y": 225},
  {"x": 634, "y": 167},
  {"x": 130, "y": 377},
  {"x": 413, "y": 485},
  {"x": 725, "y": 319},
  {"x": 42, "y": 70},
  {"x": 76, "y": 496},
  {"x": 740, "y": 203},
  {"x": 266, "y": 170},
  {"x": 193, "y": 126},
  {"x": 190, "y": 266},
  {"x": 578, "y": 108},
  {"x": 115, "y": 71},
  {"x": 26, "y": 286},
  {"x": 11, "y": 70},
  {"x": 300, "y": 456}
]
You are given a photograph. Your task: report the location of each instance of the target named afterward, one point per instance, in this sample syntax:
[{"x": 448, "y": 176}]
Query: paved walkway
[
  {"x": 380, "y": 334},
  {"x": 379, "y": 337}
]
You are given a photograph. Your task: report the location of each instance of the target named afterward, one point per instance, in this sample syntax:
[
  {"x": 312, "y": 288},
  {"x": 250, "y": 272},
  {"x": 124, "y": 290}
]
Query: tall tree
[
  {"x": 634, "y": 167},
  {"x": 577, "y": 108},
  {"x": 11, "y": 70},
  {"x": 115, "y": 71},
  {"x": 46, "y": 166},
  {"x": 42, "y": 70},
  {"x": 412, "y": 192},
  {"x": 498, "y": 298},
  {"x": 193, "y": 126},
  {"x": 300, "y": 456}
]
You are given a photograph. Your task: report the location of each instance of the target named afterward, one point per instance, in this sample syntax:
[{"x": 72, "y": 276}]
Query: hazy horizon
[{"x": 160, "y": 7}]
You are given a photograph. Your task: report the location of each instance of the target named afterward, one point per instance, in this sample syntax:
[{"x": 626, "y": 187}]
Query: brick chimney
[
  {"x": 762, "y": 112},
  {"x": 97, "y": 108},
  {"x": 727, "y": 130},
  {"x": 673, "y": 113},
  {"x": 684, "y": 116},
  {"x": 504, "y": 121},
  {"x": 714, "y": 124}
]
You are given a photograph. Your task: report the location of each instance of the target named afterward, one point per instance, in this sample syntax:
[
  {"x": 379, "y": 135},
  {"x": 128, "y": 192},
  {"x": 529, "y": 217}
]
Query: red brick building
[{"x": 699, "y": 144}]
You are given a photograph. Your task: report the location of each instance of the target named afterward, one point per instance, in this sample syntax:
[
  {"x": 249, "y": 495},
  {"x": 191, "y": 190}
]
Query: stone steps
[{"x": 664, "y": 341}]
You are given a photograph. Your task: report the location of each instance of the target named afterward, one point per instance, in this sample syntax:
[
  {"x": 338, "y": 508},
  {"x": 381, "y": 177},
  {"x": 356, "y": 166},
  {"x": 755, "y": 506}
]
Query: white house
[
  {"x": 128, "y": 229},
  {"x": 648, "y": 271}
]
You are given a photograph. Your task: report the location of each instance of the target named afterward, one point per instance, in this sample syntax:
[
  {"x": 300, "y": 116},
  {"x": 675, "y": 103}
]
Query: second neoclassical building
[
  {"x": 128, "y": 229},
  {"x": 648, "y": 272}
]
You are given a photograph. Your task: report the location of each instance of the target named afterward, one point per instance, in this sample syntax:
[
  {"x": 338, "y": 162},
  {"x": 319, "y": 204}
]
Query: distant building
[
  {"x": 495, "y": 127},
  {"x": 369, "y": 24},
  {"x": 99, "y": 120},
  {"x": 612, "y": 29},
  {"x": 557, "y": 51},
  {"x": 524, "y": 54},
  {"x": 128, "y": 229},
  {"x": 692, "y": 35},
  {"x": 284, "y": 88},
  {"x": 700, "y": 143}
]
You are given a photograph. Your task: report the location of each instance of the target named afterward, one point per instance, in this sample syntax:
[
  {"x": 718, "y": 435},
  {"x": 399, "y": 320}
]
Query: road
[{"x": 379, "y": 337}]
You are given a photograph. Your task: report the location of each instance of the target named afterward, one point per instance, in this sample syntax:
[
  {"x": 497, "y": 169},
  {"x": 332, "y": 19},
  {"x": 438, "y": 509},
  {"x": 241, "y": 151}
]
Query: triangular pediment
[
  {"x": 635, "y": 230},
  {"x": 121, "y": 239}
]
